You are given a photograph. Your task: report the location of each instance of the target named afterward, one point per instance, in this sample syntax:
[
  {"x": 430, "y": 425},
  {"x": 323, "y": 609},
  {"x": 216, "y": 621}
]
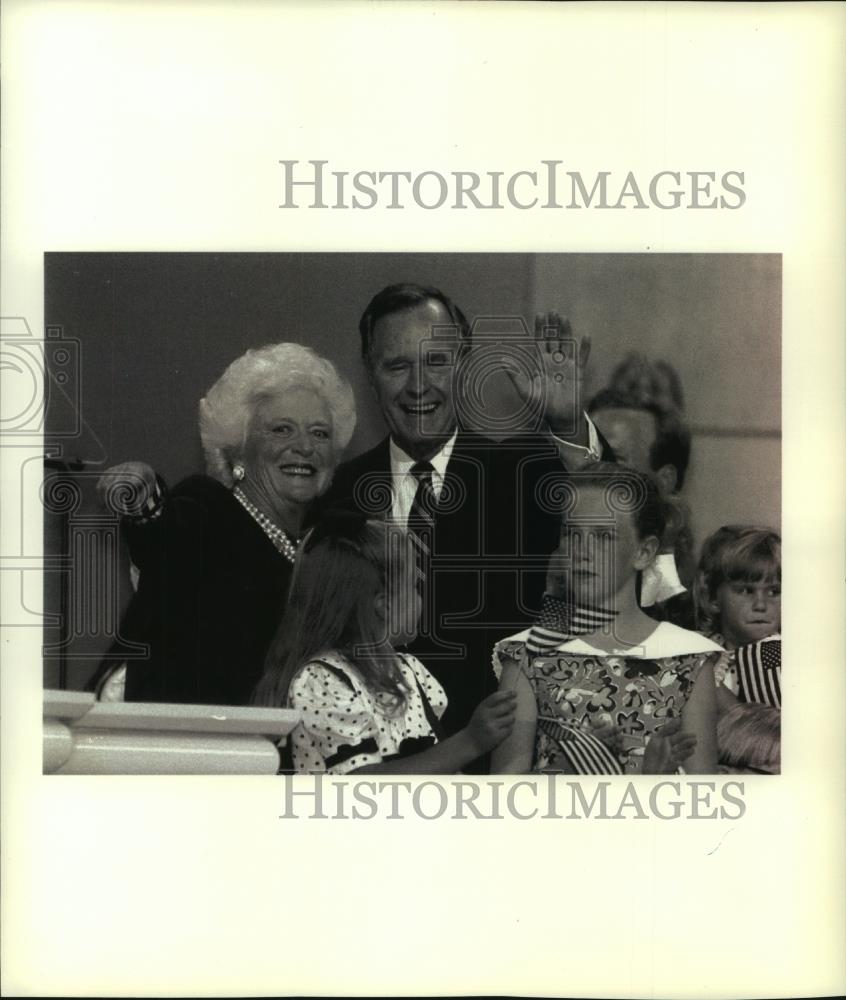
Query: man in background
[{"x": 655, "y": 440}]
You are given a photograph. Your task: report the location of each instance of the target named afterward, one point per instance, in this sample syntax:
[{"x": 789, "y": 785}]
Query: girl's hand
[
  {"x": 492, "y": 721},
  {"x": 668, "y": 750},
  {"x": 611, "y": 735}
]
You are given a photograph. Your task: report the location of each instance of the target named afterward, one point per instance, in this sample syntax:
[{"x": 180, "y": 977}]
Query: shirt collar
[
  {"x": 401, "y": 462},
  {"x": 660, "y": 581}
]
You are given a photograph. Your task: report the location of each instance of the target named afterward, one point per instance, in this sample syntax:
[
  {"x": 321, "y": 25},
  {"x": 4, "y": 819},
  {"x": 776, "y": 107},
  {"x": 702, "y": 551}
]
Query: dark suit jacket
[
  {"x": 211, "y": 594},
  {"x": 492, "y": 538}
]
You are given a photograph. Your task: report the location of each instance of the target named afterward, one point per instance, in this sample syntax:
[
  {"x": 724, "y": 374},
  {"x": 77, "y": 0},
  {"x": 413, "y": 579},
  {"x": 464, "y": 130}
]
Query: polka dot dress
[{"x": 345, "y": 727}]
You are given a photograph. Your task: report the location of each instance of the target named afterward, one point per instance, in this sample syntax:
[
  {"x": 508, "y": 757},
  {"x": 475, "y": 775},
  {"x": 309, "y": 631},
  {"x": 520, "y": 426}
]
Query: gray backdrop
[{"x": 155, "y": 330}]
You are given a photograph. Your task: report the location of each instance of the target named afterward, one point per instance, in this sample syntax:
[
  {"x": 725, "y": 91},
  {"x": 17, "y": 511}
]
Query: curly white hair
[{"x": 228, "y": 406}]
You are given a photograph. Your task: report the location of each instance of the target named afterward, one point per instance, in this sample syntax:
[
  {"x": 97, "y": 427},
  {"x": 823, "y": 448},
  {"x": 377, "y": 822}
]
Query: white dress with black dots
[{"x": 343, "y": 726}]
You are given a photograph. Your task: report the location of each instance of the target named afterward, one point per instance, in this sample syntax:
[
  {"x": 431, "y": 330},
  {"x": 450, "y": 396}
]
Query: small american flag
[
  {"x": 585, "y": 753},
  {"x": 562, "y": 620},
  {"x": 759, "y": 672}
]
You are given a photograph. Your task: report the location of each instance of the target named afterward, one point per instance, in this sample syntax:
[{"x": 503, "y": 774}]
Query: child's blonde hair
[
  {"x": 749, "y": 737},
  {"x": 735, "y": 552}
]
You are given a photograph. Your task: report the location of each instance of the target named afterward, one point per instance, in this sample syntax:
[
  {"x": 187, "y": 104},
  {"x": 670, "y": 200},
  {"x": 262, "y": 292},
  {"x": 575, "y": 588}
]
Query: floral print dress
[{"x": 579, "y": 687}]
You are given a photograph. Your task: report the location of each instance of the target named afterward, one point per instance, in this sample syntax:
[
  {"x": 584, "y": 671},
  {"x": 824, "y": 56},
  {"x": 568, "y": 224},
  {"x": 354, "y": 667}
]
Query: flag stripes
[
  {"x": 562, "y": 620},
  {"x": 759, "y": 672},
  {"x": 585, "y": 753}
]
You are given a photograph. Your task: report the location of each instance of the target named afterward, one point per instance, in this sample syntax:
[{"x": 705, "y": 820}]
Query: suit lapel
[
  {"x": 373, "y": 489},
  {"x": 459, "y": 518},
  {"x": 370, "y": 483}
]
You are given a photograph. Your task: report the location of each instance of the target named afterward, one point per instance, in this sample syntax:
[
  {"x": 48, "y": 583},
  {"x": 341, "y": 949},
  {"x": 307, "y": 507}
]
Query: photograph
[{"x": 485, "y": 513}]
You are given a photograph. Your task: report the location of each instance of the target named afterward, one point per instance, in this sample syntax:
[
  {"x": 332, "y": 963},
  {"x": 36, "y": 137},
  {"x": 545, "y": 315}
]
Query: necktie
[
  {"x": 421, "y": 516},
  {"x": 421, "y": 526}
]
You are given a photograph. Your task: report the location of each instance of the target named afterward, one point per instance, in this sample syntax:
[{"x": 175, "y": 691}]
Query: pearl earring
[{"x": 238, "y": 472}]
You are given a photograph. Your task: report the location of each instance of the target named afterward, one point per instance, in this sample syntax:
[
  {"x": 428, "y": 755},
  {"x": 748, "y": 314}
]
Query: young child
[
  {"x": 749, "y": 739},
  {"x": 737, "y": 595},
  {"x": 633, "y": 695},
  {"x": 738, "y": 585},
  {"x": 365, "y": 706}
]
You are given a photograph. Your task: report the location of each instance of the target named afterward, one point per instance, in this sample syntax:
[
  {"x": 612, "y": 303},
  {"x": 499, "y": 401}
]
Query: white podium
[{"x": 85, "y": 736}]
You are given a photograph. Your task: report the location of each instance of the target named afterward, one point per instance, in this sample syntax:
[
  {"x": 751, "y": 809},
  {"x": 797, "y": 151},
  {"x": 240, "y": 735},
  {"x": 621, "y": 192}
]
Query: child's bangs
[{"x": 745, "y": 567}]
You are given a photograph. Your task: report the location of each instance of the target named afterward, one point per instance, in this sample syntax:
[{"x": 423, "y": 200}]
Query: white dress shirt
[
  {"x": 660, "y": 581},
  {"x": 404, "y": 485},
  {"x": 574, "y": 456}
]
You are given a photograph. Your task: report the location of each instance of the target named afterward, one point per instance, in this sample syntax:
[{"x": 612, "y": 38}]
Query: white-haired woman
[{"x": 215, "y": 553}]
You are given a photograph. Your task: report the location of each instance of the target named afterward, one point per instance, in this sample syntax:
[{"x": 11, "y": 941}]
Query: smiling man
[
  {"x": 482, "y": 534},
  {"x": 415, "y": 387}
]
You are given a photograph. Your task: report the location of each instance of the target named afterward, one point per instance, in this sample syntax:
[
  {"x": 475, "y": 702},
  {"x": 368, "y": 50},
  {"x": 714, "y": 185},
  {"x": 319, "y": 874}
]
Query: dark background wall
[
  {"x": 717, "y": 319},
  {"x": 156, "y": 330}
]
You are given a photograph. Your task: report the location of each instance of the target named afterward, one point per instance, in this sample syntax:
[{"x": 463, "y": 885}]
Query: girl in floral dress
[{"x": 634, "y": 696}]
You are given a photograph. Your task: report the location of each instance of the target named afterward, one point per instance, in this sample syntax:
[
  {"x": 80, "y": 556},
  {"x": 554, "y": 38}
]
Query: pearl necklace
[{"x": 281, "y": 540}]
